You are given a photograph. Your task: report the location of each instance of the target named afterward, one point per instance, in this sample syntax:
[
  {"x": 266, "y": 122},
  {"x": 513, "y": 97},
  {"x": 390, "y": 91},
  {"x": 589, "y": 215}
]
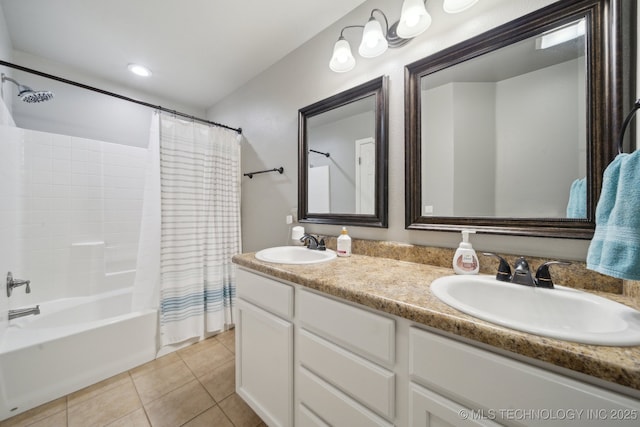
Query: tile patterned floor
[{"x": 193, "y": 387}]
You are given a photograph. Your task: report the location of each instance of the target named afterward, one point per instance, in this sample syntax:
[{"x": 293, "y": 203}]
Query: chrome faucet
[
  {"x": 14, "y": 283},
  {"x": 522, "y": 274},
  {"x": 313, "y": 243},
  {"x": 14, "y": 314}
]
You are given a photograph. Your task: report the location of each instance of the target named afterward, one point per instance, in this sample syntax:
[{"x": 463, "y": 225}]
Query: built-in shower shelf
[
  {"x": 88, "y": 244},
  {"x": 119, "y": 273}
]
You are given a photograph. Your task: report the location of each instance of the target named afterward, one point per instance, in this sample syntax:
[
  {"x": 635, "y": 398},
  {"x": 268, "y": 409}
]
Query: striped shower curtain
[{"x": 200, "y": 227}]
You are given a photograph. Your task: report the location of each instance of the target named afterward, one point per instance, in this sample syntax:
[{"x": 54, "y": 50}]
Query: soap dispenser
[
  {"x": 344, "y": 243},
  {"x": 465, "y": 260}
]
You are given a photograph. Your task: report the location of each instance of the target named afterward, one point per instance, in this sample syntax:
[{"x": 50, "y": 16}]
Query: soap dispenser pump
[{"x": 465, "y": 260}]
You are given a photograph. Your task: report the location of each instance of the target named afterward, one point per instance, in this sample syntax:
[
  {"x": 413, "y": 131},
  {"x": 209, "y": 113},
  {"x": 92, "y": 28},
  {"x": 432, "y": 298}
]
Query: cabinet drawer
[
  {"x": 365, "y": 381},
  {"x": 465, "y": 372},
  {"x": 266, "y": 293},
  {"x": 306, "y": 418},
  {"x": 429, "y": 409},
  {"x": 365, "y": 333},
  {"x": 333, "y": 406}
]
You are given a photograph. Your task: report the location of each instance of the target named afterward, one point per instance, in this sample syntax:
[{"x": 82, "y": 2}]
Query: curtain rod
[{"x": 115, "y": 95}]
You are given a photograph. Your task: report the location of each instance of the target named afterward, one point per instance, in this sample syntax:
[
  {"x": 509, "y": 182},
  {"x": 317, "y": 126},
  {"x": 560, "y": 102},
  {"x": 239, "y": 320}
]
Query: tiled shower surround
[{"x": 80, "y": 204}]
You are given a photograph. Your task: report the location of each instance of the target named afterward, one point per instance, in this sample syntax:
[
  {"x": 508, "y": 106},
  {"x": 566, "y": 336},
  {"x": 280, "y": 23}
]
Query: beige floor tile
[
  {"x": 95, "y": 389},
  {"x": 198, "y": 347},
  {"x": 160, "y": 381},
  {"x": 228, "y": 339},
  {"x": 105, "y": 407},
  {"x": 208, "y": 358},
  {"x": 154, "y": 364},
  {"x": 57, "y": 420},
  {"x": 213, "y": 417},
  {"x": 179, "y": 406},
  {"x": 38, "y": 413},
  {"x": 240, "y": 414},
  {"x": 137, "y": 418},
  {"x": 221, "y": 382}
]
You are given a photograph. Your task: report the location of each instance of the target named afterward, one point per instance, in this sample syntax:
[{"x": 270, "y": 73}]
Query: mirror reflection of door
[
  {"x": 365, "y": 176},
  {"x": 337, "y": 183}
]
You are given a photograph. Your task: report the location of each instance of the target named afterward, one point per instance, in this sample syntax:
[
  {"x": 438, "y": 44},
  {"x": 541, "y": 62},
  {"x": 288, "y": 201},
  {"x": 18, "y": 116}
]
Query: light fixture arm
[
  {"x": 386, "y": 22},
  {"x": 348, "y": 26}
]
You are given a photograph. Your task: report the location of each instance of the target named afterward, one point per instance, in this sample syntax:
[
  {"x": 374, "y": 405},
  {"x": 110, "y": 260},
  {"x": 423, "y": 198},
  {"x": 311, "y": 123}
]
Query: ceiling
[{"x": 198, "y": 50}]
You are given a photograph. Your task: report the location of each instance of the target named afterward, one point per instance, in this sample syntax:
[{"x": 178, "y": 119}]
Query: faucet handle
[
  {"x": 543, "y": 276},
  {"x": 12, "y": 283},
  {"x": 504, "y": 271}
]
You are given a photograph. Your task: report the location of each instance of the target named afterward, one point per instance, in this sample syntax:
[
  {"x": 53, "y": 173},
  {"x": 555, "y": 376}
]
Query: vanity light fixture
[
  {"x": 414, "y": 20},
  {"x": 562, "y": 35},
  {"x": 139, "y": 70}
]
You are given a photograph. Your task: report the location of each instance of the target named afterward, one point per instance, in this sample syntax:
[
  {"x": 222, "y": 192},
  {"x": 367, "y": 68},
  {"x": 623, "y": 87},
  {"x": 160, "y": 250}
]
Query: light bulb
[
  {"x": 373, "y": 43},
  {"x": 342, "y": 59},
  {"x": 414, "y": 19}
]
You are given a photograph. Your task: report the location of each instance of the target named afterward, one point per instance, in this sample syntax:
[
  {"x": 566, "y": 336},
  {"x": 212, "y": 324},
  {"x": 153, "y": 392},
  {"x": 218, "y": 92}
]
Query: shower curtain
[{"x": 199, "y": 207}]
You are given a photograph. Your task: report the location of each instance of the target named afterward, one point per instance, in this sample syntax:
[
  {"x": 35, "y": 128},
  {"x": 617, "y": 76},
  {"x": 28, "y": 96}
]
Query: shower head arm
[{"x": 7, "y": 78}]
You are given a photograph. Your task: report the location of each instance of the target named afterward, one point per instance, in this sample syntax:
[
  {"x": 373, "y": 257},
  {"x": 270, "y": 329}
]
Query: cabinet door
[
  {"x": 264, "y": 364},
  {"x": 429, "y": 409}
]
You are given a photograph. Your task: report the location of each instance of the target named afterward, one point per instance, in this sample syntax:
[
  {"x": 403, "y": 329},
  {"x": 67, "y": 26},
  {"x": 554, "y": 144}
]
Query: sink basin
[
  {"x": 295, "y": 255},
  {"x": 562, "y": 313}
]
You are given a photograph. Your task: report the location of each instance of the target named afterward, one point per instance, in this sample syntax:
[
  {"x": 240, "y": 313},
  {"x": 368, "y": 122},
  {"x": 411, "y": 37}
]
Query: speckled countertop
[{"x": 401, "y": 288}]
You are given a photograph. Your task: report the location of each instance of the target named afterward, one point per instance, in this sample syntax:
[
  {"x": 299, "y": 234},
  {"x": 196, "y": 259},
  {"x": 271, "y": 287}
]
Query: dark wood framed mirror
[
  {"x": 508, "y": 133},
  {"x": 343, "y": 157}
]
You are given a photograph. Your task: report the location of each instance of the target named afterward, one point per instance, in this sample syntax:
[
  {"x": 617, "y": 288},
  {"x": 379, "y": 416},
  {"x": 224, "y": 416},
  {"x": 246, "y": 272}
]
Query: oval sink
[
  {"x": 295, "y": 255},
  {"x": 562, "y": 313}
]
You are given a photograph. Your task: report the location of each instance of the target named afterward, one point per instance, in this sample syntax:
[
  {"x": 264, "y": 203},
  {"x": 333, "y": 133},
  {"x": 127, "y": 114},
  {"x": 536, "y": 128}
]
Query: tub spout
[{"x": 14, "y": 314}]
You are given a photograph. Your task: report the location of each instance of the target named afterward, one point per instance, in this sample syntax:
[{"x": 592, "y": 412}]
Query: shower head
[
  {"x": 32, "y": 96},
  {"x": 27, "y": 94}
]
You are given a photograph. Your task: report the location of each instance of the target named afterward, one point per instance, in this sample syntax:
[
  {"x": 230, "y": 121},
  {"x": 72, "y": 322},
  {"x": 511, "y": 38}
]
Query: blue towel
[
  {"x": 615, "y": 247},
  {"x": 577, "y": 205}
]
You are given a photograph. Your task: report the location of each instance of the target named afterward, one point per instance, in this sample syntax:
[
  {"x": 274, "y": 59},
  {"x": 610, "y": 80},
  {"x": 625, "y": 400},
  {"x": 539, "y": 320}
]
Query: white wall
[
  {"x": 519, "y": 167},
  {"x": 6, "y": 48},
  {"x": 9, "y": 188},
  {"x": 266, "y": 108},
  {"x": 80, "y": 204},
  {"x": 438, "y": 159},
  {"x": 458, "y": 149}
]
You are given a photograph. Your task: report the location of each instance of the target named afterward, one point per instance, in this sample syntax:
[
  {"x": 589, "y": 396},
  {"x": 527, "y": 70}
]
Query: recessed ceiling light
[{"x": 139, "y": 70}]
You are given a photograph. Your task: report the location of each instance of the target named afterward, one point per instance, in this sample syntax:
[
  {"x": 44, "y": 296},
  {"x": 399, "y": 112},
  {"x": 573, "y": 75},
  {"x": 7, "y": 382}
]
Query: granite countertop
[{"x": 401, "y": 288}]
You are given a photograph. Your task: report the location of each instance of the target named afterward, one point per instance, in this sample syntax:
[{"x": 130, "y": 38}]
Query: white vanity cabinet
[
  {"x": 503, "y": 390},
  {"x": 335, "y": 363},
  {"x": 264, "y": 347},
  {"x": 346, "y": 356}
]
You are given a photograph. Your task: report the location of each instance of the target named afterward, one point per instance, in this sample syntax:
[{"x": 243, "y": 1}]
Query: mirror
[
  {"x": 342, "y": 150},
  {"x": 507, "y": 132}
]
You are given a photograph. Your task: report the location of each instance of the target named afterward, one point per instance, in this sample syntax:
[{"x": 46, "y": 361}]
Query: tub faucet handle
[{"x": 13, "y": 283}]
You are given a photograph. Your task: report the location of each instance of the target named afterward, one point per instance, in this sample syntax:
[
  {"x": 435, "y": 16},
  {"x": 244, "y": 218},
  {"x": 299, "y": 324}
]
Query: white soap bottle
[
  {"x": 344, "y": 243},
  {"x": 465, "y": 260}
]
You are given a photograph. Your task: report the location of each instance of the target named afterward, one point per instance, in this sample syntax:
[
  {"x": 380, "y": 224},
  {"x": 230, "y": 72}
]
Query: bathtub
[{"x": 73, "y": 343}]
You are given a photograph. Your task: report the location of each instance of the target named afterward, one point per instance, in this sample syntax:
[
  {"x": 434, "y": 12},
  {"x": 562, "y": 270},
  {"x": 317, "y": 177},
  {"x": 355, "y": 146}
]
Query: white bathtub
[{"x": 73, "y": 343}]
